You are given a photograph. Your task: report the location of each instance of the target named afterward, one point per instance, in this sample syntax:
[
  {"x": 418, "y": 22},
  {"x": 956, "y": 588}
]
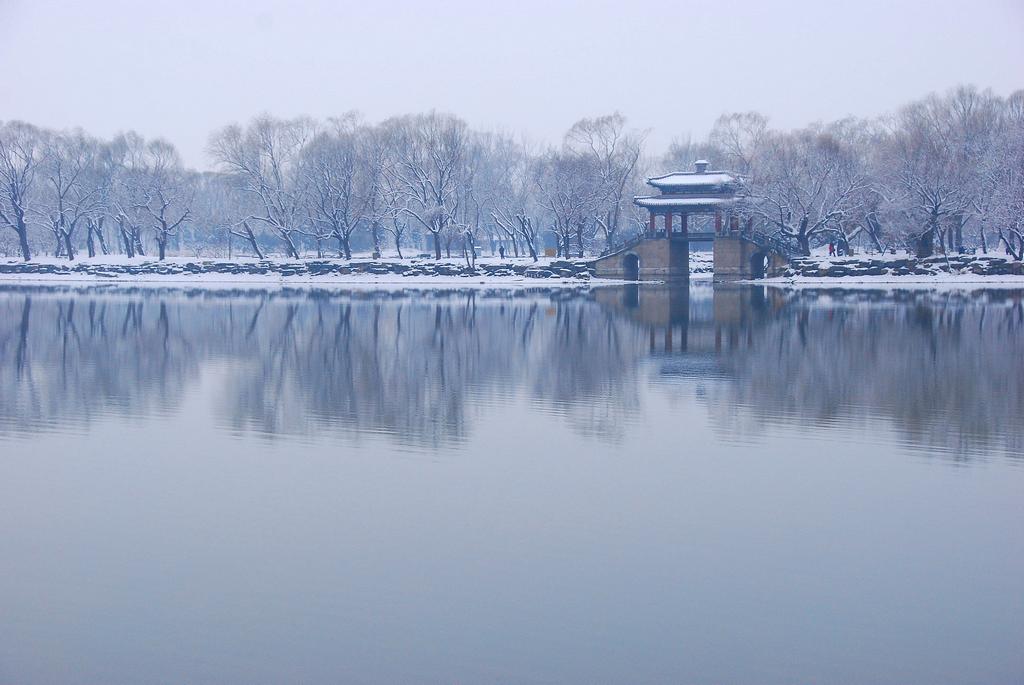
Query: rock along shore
[
  {"x": 978, "y": 265},
  {"x": 559, "y": 269}
]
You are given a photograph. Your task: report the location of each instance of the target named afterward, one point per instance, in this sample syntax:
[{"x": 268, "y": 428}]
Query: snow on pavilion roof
[
  {"x": 681, "y": 202},
  {"x": 690, "y": 180}
]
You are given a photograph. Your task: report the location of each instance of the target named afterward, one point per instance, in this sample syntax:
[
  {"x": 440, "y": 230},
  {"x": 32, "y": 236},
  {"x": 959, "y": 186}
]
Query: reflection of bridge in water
[
  {"x": 422, "y": 366},
  {"x": 702, "y": 320},
  {"x": 942, "y": 369}
]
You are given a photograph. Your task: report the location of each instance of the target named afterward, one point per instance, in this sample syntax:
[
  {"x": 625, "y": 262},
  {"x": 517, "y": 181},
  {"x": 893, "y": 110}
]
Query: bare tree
[
  {"x": 166, "y": 193},
  {"x": 129, "y": 152},
  {"x": 738, "y": 138},
  {"x": 563, "y": 182},
  {"x": 929, "y": 172},
  {"x": 266, "y": 156},
  {"x": 613, "y": 153},
  {"x": 343, "y": 175},
  {"x": 21, "y": 154},
  {"x": 73, "y": 188},
  {"x": 513, "y": 198},
  {"x": 428, "y": 152},
  {"x": 807, "y": 183}
]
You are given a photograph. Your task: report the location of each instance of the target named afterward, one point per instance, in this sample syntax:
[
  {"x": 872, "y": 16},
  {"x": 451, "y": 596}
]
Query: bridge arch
[
  {"x": 758, "y": 264},
  {"x": 631, "y": 267}
]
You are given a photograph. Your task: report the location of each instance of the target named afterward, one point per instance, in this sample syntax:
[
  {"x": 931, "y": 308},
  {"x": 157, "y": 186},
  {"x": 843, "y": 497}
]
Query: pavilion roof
[
  {"x": 680, "y": 202},
  {"x": 689, "y": 181}
]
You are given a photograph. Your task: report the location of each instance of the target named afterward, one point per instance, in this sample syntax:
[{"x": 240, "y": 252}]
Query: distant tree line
[{"x": 945, "y": 173}]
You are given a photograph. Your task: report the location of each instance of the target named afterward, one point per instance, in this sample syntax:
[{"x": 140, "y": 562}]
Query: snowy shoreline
[
  {"x": 316, "y": 273},
  {"x": 490, "y": 272},
  {"x": 900, "y": 271},
  {"x": 939, "y": 282}
]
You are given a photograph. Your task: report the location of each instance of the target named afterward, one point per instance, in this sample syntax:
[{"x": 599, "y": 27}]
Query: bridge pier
[
  {"x": 649, "y": 259},
  {"x": 739, "y": 259}
]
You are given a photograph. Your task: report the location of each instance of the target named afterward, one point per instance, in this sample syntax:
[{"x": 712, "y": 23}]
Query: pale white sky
[{"x": 181, "y": 69}]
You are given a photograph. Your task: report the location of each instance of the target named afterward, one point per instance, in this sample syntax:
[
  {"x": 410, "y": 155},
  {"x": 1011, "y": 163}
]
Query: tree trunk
[
  {"x": 398, "y": 245},
  {"x": 290, "y": 244},
  {"x": 90, "y": 244},
  {"x": 67, "y": 245},
  {"x": 162, "y": 248},
  {"x": 926, "y": 243},
  {"x": 437, "y": 244},
  {"x": 22, "y": 230},
  {"x": 803, "y": 238},
  {"x": 874, "y": 228},
  {"x": 99, "y": 236},
  {"x": 472, "y": 249},
  {"x": 129, "y": 246},
  {"x": 251, "y": 237}
]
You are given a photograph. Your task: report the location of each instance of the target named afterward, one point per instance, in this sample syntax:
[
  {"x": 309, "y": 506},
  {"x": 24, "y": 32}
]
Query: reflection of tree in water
[
  {"x": 64, "y": 358},
  {"x": 421, "y": 368},
  {"x": 945, "y": 369},
  {"x": 585, "y": 366},
  {"x": 416, "y": 367}
]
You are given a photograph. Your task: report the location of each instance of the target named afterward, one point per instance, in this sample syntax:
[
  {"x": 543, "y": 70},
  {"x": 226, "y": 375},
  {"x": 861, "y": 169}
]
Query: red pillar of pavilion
[
  {"x": 668, "y": 225},
  {"x": 651, "y": 228}
]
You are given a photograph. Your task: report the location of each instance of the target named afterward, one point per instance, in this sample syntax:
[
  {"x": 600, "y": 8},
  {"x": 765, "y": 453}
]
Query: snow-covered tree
[
  {"x": 21, "y": 155},
  {"x": 343, "y": 175},
  {"x": 427, "y": 168},
  {"x": 612, "y": 153},
  {"x": 266, "y": 157},
  {"x": 806, "y": 184},
  {"x": 165, "y": 193}
]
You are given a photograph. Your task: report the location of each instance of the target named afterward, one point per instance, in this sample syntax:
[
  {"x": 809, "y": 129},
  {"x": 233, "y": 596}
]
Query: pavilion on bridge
[
  {"x": 689, "y": 193},
  {"x": 692, "y": 206}
]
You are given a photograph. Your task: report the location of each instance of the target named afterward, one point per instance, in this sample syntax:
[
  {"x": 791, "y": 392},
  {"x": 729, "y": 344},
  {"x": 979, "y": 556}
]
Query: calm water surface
[{"x": 622, "y": 486}]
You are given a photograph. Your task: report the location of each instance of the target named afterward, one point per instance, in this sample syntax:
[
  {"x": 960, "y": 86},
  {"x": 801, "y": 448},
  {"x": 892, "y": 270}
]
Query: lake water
[{"x": 731, "y": 485}]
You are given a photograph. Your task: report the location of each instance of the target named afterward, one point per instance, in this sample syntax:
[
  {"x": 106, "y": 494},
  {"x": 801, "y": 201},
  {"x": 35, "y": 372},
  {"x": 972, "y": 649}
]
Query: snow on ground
[
  {"x": 902, "y": 270},
  {"x": 358, "y": 280},
  {"x": 700, "y": 266},
  {"x": 939, "y": 281}
]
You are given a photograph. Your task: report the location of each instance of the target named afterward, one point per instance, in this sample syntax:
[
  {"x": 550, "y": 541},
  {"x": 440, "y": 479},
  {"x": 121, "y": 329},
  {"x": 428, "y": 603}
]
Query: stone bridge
[
  {"x": 737, "y": 256},
  {"x": 690, "y": 199}
]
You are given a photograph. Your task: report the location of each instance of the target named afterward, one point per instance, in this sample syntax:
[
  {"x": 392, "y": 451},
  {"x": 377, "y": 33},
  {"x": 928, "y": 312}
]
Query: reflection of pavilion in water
[{"x": 698, "y": 322}]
